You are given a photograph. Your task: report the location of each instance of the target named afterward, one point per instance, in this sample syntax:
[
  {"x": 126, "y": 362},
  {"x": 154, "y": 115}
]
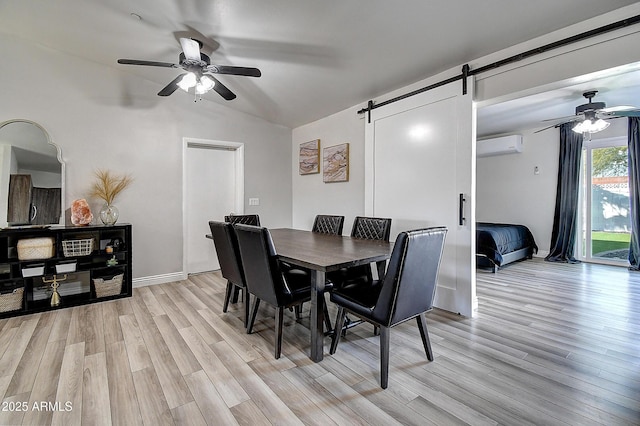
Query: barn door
[{"x": 420, "y": 171}]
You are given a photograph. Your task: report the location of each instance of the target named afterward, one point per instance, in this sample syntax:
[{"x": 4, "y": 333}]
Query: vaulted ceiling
[{"x": 316, "y": 57}]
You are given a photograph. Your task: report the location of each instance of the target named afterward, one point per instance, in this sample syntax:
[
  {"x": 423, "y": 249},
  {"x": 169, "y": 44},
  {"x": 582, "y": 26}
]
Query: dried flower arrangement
[{"x": 107, "y": 186}]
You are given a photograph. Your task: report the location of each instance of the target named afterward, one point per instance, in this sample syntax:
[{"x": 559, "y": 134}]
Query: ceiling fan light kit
[
  {"x": 198, "y": 71},
  {"x": 589, "y": 126}
]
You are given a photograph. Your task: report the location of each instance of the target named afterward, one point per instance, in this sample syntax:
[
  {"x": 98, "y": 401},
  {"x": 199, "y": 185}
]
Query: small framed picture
[
  {"x": 309, "y": 157},
  {"x": 335, "y": 163}
]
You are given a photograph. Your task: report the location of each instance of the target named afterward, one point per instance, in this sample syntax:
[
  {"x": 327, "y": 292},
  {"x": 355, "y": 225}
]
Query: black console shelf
[{"x": 110, "y": 257}]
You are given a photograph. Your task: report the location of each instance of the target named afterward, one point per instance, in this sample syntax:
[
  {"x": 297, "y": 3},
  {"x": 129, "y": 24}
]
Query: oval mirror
[{"x": 31, "y": 176}]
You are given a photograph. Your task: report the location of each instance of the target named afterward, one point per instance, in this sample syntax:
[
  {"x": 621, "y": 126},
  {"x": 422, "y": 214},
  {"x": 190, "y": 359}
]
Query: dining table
[{"x": 322, "y": 253}]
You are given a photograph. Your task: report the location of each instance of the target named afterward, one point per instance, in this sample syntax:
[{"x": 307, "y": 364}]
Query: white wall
[
  {"x": 508, "y": 191},
  {"x": 100, "y": 122},
  {"x": 533, "y": 75},
  {"x": 312, "y": 195}
]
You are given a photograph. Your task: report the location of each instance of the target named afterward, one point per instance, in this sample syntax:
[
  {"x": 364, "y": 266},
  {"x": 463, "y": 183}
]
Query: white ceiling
[
  {"x": 616, "y": 87},
  {"x": 316, "y": 57}
]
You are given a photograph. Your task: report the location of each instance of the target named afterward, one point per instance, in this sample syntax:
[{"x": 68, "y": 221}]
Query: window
[{"x": 604, "y": 218}]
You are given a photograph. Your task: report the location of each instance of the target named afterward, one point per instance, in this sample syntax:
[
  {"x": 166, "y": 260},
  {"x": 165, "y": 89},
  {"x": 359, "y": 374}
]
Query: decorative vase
[{"x": 109, "y": 214}]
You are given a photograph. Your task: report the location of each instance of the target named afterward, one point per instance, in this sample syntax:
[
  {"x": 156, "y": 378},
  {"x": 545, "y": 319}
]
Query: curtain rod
[{"x": 466, "y": 71}]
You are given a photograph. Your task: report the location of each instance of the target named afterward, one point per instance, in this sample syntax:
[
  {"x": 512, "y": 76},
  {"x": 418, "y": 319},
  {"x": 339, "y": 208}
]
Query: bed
[{"x": 498, "y": 244}]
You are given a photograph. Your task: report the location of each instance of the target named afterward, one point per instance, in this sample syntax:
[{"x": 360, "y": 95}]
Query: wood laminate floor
[{"x": 552, "y": 344}]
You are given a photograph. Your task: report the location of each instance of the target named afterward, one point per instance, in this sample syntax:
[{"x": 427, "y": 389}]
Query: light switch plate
[{"x": 254, "y": 201}]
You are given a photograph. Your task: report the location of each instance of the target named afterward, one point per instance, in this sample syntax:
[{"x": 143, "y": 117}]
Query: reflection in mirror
[{"x": 31, "y": 176}]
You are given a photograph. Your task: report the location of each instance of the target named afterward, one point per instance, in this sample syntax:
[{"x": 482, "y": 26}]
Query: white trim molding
[{"x": 159, "y": 279}]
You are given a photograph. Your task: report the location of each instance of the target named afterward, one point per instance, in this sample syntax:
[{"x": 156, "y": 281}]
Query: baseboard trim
[{"x": 158, "y": 279}]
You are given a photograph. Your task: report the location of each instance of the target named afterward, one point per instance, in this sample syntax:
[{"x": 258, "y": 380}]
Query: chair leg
[
  {"x": 327, "y": 320},
  {"x": 256, "y": 304},
  {"x": 298, "y": 310},
  {"x": 347, "y": 321},
  {"x": 227, "y": 296},
  {"x": 422, "y": 326},
  {"x": 384, "y": 356},
  {"x": 245, "y": 296},
  {"x": 234, "y": 297},
  {"x": 337, "y": 331},
  {"x": 279, "y": 320}
]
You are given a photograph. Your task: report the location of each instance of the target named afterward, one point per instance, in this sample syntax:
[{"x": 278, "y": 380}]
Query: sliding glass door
[{"x": 605, "y": 222}]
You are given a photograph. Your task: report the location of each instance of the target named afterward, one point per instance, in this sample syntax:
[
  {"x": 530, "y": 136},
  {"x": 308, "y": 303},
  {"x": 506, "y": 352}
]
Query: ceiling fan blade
[
  {"x": 191, "y": 48},
  {"x": 221, "y": 89},
  {"x": 226, "y": 69},
  {"x": 618, "y": 108},
  {"x": 568, "y": 118},
  {"x": 549, "y": 127},
  {"x": 171, "y": 87},
  {"x": 634, "y": 113},
  {"x": 148, "y": 63}
]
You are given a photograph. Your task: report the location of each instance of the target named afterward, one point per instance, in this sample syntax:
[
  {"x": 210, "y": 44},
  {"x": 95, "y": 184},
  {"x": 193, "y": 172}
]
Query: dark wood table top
[{"x": 327, "y": 253}]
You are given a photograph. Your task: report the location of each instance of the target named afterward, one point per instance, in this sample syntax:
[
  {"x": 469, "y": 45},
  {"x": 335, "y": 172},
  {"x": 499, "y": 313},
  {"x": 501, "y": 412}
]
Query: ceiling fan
[
  {"x": 590, "y": 117},
  {"x": 199, "y": 71}
]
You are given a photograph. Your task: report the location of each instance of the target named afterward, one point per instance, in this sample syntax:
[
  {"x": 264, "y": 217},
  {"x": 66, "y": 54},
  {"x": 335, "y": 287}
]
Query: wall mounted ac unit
[{"x": 499, "y": 146}]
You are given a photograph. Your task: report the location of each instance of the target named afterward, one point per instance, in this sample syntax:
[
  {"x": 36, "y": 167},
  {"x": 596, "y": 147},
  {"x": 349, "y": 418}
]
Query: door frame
[{"x": 194, "y": 143}]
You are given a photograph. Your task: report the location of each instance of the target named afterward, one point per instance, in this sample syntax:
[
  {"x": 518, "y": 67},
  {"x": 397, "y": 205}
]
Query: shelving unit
[{"x": 78, "y": 288}]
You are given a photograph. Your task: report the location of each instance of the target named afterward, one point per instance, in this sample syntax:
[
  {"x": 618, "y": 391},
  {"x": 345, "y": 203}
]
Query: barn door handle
[{"x": 461, "y": 210}]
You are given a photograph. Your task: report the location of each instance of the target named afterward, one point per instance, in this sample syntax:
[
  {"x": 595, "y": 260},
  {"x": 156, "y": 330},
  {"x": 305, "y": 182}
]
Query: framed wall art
[
  {"x": 309, "y": 157},
  {"x": 335, "y": 163}
]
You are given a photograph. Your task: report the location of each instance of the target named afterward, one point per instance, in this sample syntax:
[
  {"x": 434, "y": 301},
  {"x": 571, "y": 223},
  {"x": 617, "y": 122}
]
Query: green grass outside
[{"x": 606, "y": 241}]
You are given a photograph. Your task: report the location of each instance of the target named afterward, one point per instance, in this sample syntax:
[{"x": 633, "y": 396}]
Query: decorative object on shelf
[
  {"x": 35, "y": 248},
  {"x": 107, "y": 187},
  {"x": 81, "y": 212},
  {"x": 113, "y": 261},
  {"x": 335, "y": 163},
  {"x": 309, "y": 157},
  {"x": 117, "y": 244},
  {"x": 109, "y": 214},
  {"x": 54, "y": 284},
  {"x": 11, "y": 301},
  {"x": 110, "y": 287}
]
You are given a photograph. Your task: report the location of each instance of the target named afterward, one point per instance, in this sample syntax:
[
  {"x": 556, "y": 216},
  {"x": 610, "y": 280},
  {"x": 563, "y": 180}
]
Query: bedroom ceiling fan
[
  {"x": 590, "y": 117},
  {"x": 199, "y": 71}
]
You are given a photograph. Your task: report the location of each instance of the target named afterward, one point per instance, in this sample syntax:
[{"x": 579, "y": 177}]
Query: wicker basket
[
  {"x": 11, "y": 301},
  {"x": 35, "y": 248},
  {"x": 110, "y": 287},
  {"x": 77, "y": 247}
]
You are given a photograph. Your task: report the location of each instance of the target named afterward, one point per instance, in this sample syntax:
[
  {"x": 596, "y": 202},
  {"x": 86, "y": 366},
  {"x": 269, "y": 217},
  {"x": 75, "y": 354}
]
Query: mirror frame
[{"x": 59, "y": 157}]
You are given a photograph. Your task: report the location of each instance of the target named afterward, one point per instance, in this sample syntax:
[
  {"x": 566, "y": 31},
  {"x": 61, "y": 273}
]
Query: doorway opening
[{"x": 213, "y": 187}]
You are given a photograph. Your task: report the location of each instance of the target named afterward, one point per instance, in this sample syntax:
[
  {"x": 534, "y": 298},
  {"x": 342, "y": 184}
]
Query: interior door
[
  {"x": 420, "y": 163},
  {"x": 213, "y": 188}
]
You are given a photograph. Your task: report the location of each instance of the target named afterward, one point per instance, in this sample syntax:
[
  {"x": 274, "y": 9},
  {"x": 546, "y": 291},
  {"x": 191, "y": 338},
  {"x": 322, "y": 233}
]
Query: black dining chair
[
  {"x": 245, "y": 219},
  {"x": 367, "y": 228},
  {"x": 406, "y": 291},
  {"x": 226, "y": 244},
  {"x": 328, "y": 224},
  {"x": 266, "y": 280}
]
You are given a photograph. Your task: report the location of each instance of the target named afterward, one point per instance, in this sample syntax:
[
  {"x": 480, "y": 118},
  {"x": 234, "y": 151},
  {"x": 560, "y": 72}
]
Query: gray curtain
[
  {"x": 563, "y": 235},
  {"x": 634, "y": 191}
]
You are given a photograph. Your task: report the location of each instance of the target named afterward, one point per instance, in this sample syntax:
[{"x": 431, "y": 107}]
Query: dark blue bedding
[{"x": 496, "y": 239}]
